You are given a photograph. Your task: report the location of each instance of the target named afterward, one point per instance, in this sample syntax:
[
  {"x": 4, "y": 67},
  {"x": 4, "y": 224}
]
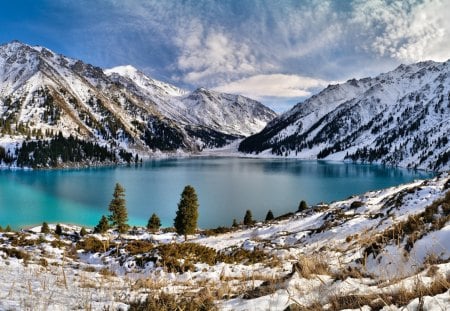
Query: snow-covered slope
[
  {"x": 226, "y": 113},
  {"x": 43, "y": 93},
  {"x": 397, "y": 118},
  {"x": 383, "y": 250}
]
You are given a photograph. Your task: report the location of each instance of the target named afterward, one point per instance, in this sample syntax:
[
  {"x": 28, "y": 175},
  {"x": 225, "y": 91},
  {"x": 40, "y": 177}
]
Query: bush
[
  {"x": 17, "y": 253},
  {"x": 218, "y": 230},
  {"x": 138, "y": 247},
  {"x": 44, "y": 228},
  {"x": 269, "y": 216},
  {"x": 102, "y": 225},
  {"x": 356, "y": 204},
  {"x": 83, "y": 232},
  {"x": 58, "y": 229},
  {"x": 93, "y": 245},
  {"x": 302, "y": 206},
  {"x": 154, "y": 223},
  {"x": 248, "y": 218}
]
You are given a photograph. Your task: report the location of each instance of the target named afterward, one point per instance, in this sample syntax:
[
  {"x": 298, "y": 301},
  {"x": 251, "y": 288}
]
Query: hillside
[
  {"x": 43, "y": 94},
  {"x": 397, "y": 118},
  {"x": 383, "y": 250}
]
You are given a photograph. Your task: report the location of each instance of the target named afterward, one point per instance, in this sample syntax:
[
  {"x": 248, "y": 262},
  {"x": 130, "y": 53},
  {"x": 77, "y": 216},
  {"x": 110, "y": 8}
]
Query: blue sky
[{"x": 276, "y": 51}]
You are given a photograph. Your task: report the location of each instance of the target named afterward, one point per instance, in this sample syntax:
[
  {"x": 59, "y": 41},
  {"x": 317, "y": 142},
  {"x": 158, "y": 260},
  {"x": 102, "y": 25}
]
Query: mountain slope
[
  {"x": 397, "y": 118},
  {"x": 43, "y": 93},
  {"x": 226, "y": 113}
]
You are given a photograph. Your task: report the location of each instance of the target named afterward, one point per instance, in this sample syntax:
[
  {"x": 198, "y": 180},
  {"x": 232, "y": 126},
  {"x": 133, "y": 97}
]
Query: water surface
[{"x": 226, "y": 187}]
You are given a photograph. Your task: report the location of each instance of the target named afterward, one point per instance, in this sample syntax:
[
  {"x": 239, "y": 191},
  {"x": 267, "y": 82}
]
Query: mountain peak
[
  {"x": 124, "y": 70},
  {"x": 143, "y": 81}
]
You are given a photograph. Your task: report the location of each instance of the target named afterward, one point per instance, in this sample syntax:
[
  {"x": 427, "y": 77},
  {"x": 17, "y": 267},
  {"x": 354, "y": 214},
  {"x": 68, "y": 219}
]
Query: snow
[
  {"x": 366, "y": 113},
  {"x": 59, "y": 277},
  {"x": 77, "y": 280},
  {"x": 91, "y": 99}
]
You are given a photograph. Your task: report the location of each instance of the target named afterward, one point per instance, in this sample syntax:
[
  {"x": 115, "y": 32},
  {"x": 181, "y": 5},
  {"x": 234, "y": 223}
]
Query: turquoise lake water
[{"x": 226, "y": 187}]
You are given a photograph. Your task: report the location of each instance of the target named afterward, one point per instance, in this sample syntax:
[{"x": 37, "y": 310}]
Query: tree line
[
  {"x": 60, "y": 150},
  {"x": 185, "y": 221}
]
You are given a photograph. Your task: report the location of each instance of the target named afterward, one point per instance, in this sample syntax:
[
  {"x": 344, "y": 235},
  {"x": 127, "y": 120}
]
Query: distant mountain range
[
  {"x": 398, "y": 118},
  {"x": 43, "y": 93}
]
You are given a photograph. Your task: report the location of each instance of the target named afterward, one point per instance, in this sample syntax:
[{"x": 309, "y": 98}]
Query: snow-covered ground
[{"x": 387, "y": 249}]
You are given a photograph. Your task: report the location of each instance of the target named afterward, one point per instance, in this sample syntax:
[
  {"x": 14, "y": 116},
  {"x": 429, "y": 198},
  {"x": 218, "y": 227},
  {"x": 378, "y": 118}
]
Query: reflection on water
[{"x": 227, "y": 187}]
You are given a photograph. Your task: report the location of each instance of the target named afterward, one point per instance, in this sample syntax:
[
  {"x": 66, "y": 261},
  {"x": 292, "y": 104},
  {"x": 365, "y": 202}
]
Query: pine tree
[
  {"x": 83, "y": 231},
  {"x": 45, "y": 228},
  {"x": 154, "y": 223},
  {"x": 235, "y": 223},
  {"x": 187, "y": 215},
  {"x": 118, "y": 209},
  {"x": 248, "y": 218},
  {"x": 302, "y": 206},
  {"x": 102, "y": 226},
  {"x": 8, "y": 229},
  {"x": 269, "y": 216},
  {"x": 58, "y": 229}
]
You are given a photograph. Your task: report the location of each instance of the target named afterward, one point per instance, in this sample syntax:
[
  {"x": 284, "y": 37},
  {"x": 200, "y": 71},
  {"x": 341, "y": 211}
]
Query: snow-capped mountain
[
  {"x": 43, "y": 93},
  {"x": 226, "y": 113},
  {"x": 397, "y": 118}
]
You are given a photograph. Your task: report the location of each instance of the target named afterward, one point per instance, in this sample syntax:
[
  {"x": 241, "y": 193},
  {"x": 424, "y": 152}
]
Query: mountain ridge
[
  {"x": 42, "y": 92},
  {"x": 396, "y": 118}
]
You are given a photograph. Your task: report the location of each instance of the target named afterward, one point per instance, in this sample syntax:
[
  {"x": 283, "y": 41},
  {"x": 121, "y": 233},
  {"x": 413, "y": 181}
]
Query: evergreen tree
[
  {"x": 58, "y": 229},
  {"x": 8, "y": 229},
  {"x": 102, "y": 226},
  {"x": 118, "y": 209},
  {"x": 45, "y": 228},
  {"x": 1, "y": 229},
  {"x": 187, "y": 215},
  {"x": 248, "y": 218},
  {"x": 269, "y": 216},
  {"x": 154, "y": 223},
  {"x": 302, "y": 206},
  {"x": 83, "y": 231},
  {"x": 235, "y": 224}
]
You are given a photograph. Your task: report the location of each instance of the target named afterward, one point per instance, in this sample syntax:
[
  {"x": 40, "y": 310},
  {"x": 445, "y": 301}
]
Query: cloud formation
[
  {"x": 274, "y": 85},
  {"x": 406, "y": 30},
  {"x": 263, "y": 49},
  {"x": 211, "y": 55}
]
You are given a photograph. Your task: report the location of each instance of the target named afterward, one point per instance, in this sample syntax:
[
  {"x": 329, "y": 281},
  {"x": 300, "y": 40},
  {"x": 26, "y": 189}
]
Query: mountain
[
  {"x": 397, "y": 118},
  {"x": 225, "y": 113},
  {"x": 43, "y": 93}
]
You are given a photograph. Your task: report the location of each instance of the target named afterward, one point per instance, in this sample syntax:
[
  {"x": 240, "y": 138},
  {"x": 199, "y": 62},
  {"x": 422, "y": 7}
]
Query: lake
[{"x": 226, "y": 188}]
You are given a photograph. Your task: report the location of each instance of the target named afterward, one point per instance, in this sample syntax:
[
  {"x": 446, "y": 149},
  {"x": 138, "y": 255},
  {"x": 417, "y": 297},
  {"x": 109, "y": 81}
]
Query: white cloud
[
  {"x": 211, "y": 54},
  {"x": 273, "y": 85},
  {"x": 406, "y": 30}
]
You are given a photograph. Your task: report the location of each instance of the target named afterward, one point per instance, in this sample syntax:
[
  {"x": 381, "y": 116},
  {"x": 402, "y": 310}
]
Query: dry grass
[
  {"x": 201, "y": 301},
  {"x": 399, "y": 297},
  {"x": 309, "y": 267}
]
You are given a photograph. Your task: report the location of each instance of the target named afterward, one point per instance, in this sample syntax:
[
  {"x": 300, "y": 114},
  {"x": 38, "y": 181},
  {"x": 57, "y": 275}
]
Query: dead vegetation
[{"x": 168, "y": 302}]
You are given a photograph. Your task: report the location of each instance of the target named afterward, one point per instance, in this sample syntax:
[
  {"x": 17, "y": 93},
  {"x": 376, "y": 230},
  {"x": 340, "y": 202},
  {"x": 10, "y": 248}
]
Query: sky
[{"x": 276, "y": 51}]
